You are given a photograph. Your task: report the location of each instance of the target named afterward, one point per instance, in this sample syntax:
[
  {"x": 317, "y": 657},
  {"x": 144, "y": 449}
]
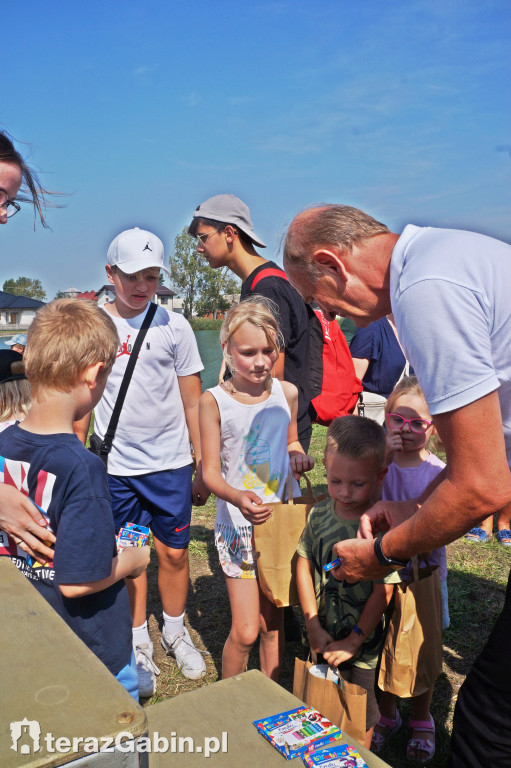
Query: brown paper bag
[
  {"x": 275, "y": 545},
  {"x": 343, "y": 703},
  {"x": 412, "y": 653}
]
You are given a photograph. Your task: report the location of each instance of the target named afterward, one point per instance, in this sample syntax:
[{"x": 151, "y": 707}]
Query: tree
[
  {"x": 187, "y": 268},
  {"x": 215, "y": 285},
  {"x": 60, "y": 295},
  {"x": 25, "y": 286}
]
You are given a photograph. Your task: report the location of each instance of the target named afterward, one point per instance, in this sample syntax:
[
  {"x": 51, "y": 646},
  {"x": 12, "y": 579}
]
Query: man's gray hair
[{"x": 326, "y": 226}]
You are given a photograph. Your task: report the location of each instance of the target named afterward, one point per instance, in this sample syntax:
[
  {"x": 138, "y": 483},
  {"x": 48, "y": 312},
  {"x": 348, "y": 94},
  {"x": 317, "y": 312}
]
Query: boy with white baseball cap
[{"x": 150, "y": 465}]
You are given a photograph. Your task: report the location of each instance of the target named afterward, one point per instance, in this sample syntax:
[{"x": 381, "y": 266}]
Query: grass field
[{"x": 477, "y": 578}]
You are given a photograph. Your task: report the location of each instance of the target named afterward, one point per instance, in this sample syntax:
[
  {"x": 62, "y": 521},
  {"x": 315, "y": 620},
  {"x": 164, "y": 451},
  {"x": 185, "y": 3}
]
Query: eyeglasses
[
  {"x": 395, "y": 421},
  {"x": 203, "y": 238},
  {"x": 11, "y": 206}
]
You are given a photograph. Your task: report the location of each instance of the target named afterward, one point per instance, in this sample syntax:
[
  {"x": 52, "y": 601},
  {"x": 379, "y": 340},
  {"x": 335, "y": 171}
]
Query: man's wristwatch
[{"x": 387, "y": 562}]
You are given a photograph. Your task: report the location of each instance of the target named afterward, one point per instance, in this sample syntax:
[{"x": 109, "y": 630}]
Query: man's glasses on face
[
  {"x": 10, "y": 205},
  {"x": 395, "y": 421}
]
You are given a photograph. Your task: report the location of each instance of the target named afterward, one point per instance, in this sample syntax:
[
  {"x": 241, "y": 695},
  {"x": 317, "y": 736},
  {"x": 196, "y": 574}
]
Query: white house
[
  {"x": 163, "y": 296},
  {"x": 71, "y": 293},
  {"x": 105, "y": 293},
  {"x": 17, "y": 312}
]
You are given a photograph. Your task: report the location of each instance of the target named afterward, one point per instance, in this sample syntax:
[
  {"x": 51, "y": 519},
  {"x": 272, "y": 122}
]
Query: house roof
[
  {"x": 92, "y": 295},
  {"x": 13, "y": 301}
]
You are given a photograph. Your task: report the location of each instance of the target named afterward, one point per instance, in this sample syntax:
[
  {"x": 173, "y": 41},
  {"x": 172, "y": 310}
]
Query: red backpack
[{"x": 334, "y": 386}]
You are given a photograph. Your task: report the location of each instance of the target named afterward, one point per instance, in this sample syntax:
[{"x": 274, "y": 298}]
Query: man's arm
[
  {"x": 477, "y": 481},
  {"x": 476, "y": 484},
  {"x": 24, "y": 523},
  {"x": 389, "y": 514},
  {"x": 191, "y": 391}
]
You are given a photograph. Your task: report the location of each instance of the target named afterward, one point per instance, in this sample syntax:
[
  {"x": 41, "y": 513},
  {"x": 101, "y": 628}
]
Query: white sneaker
[
  {"x": 146, "y": 670},
  {"x": 188, "y": 657}
]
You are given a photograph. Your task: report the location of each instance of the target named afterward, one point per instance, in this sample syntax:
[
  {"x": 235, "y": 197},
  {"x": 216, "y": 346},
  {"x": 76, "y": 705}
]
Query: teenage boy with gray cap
[
  {"x": 150, "y": 465},
  {"x": 226, "y": 238}
]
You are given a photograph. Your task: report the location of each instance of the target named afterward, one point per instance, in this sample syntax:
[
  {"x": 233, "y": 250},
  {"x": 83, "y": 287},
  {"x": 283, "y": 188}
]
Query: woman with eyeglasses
[
  {"x": 18, "y": 516},
  {"x": 15, "y": 174}
]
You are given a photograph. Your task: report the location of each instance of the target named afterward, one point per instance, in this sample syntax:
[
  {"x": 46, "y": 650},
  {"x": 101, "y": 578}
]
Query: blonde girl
[
  {"x": 15, "y": 397},
  {"x": 412, "y": 469},
  {"x": 249, "y": 446}
]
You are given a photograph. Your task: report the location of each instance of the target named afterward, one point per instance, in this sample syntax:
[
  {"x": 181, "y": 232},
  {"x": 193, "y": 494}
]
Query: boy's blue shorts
[{"x": 160, "y": 500}]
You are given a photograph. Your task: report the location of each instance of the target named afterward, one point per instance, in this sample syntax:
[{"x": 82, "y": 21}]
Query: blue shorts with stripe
[{"x": 160, "y": 500}]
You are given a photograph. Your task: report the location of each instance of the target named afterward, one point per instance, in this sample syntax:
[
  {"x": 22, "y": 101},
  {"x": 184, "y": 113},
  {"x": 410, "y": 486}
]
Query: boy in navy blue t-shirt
[{"x": 70, "y": 351}]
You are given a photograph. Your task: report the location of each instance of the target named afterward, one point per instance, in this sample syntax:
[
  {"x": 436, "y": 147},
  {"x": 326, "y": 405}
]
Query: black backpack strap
[
  {"x": 106, "y": 445},
  {"x": 268, "y": 272}
]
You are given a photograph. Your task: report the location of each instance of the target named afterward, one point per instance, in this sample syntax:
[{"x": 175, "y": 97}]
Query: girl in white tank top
[{"x": 249, "y": 444}]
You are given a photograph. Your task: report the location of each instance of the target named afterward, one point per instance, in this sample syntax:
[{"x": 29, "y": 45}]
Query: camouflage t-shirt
[{"x": 339, "y": 604}]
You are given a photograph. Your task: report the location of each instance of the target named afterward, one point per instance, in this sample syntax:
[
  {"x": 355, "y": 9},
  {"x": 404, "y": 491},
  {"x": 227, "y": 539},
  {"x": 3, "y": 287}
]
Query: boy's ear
[
  {"x": 381, "y": 475},
  {"x": 109, "y": 273},
  {"x": 91, "y": 374},
  {"x": 230, "y": 232}
]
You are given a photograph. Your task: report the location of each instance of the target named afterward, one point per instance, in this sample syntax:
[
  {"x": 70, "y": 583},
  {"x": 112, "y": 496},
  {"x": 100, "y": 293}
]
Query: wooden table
[
  {"x": 49, "y": 677},
  {"x": 228, "y": 707}
]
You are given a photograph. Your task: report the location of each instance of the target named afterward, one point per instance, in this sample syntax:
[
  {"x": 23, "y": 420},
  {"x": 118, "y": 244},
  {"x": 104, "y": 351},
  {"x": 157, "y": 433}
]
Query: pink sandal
[
  {"x": 379, "y": 741},
  {"x": 417, "y": 746}
]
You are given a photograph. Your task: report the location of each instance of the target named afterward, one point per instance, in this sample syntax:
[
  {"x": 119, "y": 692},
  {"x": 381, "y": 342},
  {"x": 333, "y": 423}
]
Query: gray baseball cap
[{"x": 230, "y": 210}]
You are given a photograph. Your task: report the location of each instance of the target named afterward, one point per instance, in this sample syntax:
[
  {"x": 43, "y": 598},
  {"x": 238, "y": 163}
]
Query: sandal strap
[
  {"x": 379, "y": 740},
  {"x": 423, "y": 725},
  {"x": 387, "y": 722}
]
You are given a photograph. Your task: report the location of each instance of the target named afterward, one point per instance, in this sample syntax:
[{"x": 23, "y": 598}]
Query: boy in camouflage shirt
[{"x": 345, "y": 621}]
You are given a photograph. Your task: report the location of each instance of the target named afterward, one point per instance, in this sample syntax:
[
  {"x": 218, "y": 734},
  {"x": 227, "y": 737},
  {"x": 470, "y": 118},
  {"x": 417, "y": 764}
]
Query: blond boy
[
  {"x": 345, "y": 621},
  {"x": 70, "y": 351}
]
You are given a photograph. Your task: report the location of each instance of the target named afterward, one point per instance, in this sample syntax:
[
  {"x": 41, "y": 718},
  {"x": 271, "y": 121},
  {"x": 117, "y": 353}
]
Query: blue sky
[{"x": 139, "y": 111}]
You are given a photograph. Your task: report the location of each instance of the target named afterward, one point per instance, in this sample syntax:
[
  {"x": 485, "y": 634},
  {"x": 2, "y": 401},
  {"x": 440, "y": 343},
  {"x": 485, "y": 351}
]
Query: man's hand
[
  {"x": 359, "y": 562},
  {"x": 385, "y": 515},
  {"x": 25, "y": 524},
  {"x": 251, "y": 507}
]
